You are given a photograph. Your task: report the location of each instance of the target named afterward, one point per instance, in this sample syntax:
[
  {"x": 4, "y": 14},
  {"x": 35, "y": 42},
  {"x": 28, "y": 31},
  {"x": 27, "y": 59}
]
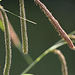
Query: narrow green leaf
[{"x": 1, "y": 25}]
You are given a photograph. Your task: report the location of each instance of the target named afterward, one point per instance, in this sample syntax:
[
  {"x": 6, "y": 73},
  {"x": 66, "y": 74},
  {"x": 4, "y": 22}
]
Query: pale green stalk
[
  {"x": 23, "y": 28},
  {"x": 7, "y": 43},
  {"x": 19, "y": 16},
  {"x": 51, "y": 49}
]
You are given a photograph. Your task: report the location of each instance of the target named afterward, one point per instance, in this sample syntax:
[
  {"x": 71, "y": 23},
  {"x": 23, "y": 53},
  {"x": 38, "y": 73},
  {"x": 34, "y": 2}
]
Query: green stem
[
  {"x": 7, "y": 43},
  {"x": 51, "y": 49},
  {"x": 27, "y": 57},
  {"x": 23, "y": 28}
]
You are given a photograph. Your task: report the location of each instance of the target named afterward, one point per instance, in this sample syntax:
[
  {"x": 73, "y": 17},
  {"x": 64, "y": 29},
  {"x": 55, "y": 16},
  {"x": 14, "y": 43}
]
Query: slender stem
[
  {"x": 23, "y": 28},
  {"x": 36, "y": 61},
  {"x": 51, "y": 49},
  {"x": 63, "y": 62},
  {"x": 19, "y": 16},
  {"x": 7, "y": 43}
]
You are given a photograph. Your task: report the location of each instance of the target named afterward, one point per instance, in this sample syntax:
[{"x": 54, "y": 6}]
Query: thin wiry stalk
[
  {"x": 23, "y": 28},
  {"x": 51, "y": 49},
  {"x": 7, "y": 43},
  {"x": 55, "y": 23},
  {"x": 19, "y": 16},
  {"x": 63, "y": 62}
]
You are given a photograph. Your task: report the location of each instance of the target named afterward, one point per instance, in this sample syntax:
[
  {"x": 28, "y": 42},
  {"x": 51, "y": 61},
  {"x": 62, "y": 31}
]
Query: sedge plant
[{"x": 5, "y": 26}]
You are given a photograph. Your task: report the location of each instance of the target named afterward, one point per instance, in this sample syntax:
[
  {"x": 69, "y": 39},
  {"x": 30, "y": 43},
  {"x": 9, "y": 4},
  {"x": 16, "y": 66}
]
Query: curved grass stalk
[
  {"x": 63, "y": 62},
  {"x": 51, "y": 49},
  {"x": 23, "y": 28},
  {"x": 7, "y": 43}
]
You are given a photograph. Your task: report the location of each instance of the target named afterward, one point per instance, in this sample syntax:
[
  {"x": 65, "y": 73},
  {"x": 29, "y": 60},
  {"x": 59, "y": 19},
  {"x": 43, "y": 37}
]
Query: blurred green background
[{"x": 40, "y": 36}]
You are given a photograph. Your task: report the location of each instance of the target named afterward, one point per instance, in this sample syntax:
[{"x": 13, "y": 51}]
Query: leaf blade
[{"x": 1, "y": 25}]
